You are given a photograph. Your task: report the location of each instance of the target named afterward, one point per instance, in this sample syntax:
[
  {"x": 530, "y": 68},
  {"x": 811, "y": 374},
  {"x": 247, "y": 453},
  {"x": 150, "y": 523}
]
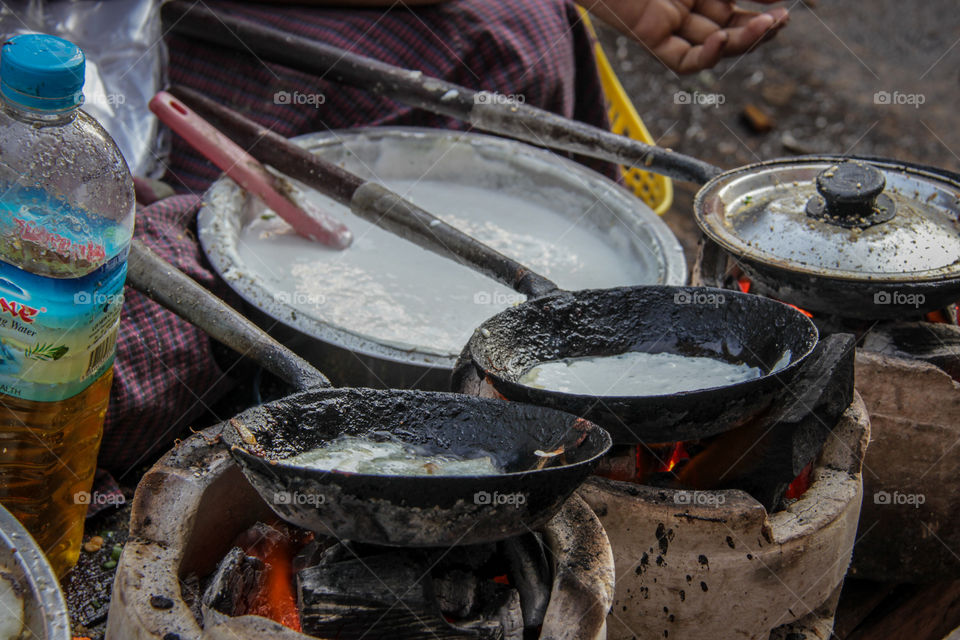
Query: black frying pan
[
  {"x": 381, "y": 509},
  {"x": 655, "y": 319},
  {"x": 556, "y": 324}
]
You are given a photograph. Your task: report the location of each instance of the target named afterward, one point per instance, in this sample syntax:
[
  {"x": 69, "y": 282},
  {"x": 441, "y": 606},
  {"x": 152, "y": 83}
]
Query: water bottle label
[{"x": 57, "y": 335}]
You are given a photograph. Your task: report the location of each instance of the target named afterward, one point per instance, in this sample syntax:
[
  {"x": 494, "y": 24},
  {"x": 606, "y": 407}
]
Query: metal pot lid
[{"x": 843, "y": 218}]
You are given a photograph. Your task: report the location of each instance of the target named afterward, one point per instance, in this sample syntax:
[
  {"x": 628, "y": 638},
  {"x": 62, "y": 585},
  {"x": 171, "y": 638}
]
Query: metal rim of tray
[
  {"x": 44, "y": 606},
  {"x": 673, "y": 269}
]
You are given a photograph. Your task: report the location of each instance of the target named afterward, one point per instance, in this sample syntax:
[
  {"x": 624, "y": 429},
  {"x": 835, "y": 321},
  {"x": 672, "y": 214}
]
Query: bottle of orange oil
[{"x": 66, "y": 219}]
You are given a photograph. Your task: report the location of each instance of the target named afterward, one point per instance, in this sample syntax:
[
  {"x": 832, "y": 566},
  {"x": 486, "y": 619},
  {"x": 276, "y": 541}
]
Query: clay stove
[
  {"x": 719, "y": 564},
  {"x": 907, "y": 372},
  {"x": 716, "y": 565},
  {"x": 191, "y": 506},
  {"x": 909, "y": 525}
]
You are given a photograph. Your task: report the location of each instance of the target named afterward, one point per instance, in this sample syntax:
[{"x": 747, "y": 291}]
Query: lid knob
[{"x": 850, "y": 194}]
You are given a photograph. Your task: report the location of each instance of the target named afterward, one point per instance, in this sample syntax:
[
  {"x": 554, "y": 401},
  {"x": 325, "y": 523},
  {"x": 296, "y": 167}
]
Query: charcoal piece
[
  {"x": 261, "y": 535},
  {"x": 763, "y": 457},
  {"x": 529, "y": 575},
  {"x": 936, "y": 343},
  {"x": 456, "y": 593},
  {"x": 313, "y": 553},
  {"x": 237, "y": 579},
  {"x": 500, "y": 613},
  {"x": 337, "y": 553},
  {"x": 510, "y": 615},
  {"x": 345, "y": 551},
  {"x": 383, "y": 596}
]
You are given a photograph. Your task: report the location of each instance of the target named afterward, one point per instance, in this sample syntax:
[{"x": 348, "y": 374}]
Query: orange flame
[
  {"x": 678, "y": 454},
  {"x": 744, "y": 285},
  {"x": 937, "y": 317},
  {"x": 800, "y": 484},
  {"x": 277, "y": 599}
]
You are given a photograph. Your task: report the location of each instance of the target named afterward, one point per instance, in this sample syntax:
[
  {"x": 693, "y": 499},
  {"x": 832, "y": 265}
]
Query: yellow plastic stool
[{"x": 655, "y": 190}]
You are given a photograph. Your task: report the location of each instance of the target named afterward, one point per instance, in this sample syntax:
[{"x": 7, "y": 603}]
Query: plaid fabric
[
  {"x": 165, "y": 373},
  {"x": 536, "y": 49}
]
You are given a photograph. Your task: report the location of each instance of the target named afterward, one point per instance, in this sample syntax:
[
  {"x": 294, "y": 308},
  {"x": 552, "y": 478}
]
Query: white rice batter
[
  {"x": 636, "y": 374},
  {"x": 396, "y": 293}
]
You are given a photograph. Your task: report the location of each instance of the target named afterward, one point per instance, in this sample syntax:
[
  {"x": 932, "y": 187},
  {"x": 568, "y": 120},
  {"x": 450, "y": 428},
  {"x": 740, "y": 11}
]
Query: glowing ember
[
  {"x": 744, "y": 285},
  {"x": 939, "y": 317},
  {"x": 800, "y": 484},
  {"x": 655, "y": 459},
  {"x": 276, "y": 545},
  {"x": 679, "y": 454}
]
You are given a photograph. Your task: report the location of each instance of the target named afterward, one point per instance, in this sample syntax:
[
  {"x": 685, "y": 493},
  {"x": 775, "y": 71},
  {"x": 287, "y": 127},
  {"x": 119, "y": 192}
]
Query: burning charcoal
[
  {"x": 456, "y": 593},
  {"x": 260, "y": 535},
  {"x": 510, "y": 615},
  {"x": 317, "y": 552},
  {"x": 530, "y": 574},
  {"x": 309, "y": 556},
  {"x": 935, "y": 342},
  {"x": 385, "y": 596},
  {"x": 236, "y": 579},
  {"x": 779, "y": 445},
  {"x": 337, "y": 553},
  {"x": 500, "y": 614},
  {"x": 276, "y": 545}
]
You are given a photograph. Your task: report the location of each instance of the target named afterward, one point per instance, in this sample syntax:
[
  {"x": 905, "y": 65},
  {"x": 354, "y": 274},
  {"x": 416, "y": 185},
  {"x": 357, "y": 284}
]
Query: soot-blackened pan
[
  {"x": 383, "y": 509},
  {"x": 557, "y": 324},
  {"x": 694, "y": 321}
]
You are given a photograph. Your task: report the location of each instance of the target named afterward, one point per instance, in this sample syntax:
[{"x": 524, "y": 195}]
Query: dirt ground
[{"x": 872, "y": 78}]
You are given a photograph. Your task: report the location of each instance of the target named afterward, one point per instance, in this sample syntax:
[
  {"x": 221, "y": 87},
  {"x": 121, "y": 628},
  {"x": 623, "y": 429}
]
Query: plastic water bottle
[{"x": 66, "y": 219}]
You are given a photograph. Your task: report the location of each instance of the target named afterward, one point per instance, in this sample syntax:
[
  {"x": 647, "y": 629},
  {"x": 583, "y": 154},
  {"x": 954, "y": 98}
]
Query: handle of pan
[
  {"x": 483, "y": 110},
  {"x": 368, "y": 200},
  {"x": 247, "y": 172},
  {"x": 387, "y": 210},
  {"x": 153, "y": 276}
]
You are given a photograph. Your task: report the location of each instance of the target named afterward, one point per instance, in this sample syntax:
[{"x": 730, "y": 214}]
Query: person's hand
[{"x": 690, "y": 35}]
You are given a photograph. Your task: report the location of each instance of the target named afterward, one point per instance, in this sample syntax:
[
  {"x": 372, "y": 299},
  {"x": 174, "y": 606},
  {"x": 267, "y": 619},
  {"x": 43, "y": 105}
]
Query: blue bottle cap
[{"x": 43, "y": 72}]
